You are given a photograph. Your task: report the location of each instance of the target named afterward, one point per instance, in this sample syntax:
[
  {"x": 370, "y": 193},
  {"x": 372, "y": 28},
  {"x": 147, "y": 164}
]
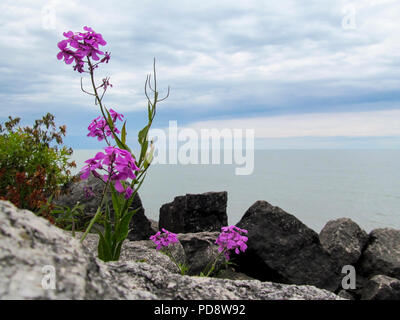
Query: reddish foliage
[{"x": 28, "y": 192}]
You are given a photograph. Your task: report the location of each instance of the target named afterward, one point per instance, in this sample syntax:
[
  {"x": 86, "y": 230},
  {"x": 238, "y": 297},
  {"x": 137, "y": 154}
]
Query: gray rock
[
  {"x": 232, "y": 274},
  {"x": 282, "y": 249},
  {"x": 171, "y": 286},
  {"x": 29, "y": 243},
  {"x": 346, "y": 295},
  {"x": 154, "y": 225},
  {"x": 140, "y": 227},
  {"x": 381, "y": 287},
  {"x": 195, "y": 213},
  {"x": 201, "y": 251},
  {"x": 344, "y": 240},
  {"x": 382, "y": 254}
]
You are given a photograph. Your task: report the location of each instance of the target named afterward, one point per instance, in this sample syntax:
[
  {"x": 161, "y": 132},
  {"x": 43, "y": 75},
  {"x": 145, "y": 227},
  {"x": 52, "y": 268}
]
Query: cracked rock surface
[{"x": 30, "y": 246}]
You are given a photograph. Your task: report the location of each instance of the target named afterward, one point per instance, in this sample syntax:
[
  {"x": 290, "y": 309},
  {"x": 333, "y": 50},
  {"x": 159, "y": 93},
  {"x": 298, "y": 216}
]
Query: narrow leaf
[{"x": 123, "y": 133}]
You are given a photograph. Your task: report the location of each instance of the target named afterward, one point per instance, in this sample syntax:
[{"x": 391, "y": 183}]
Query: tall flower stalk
[{"x": 118, "y": 164}]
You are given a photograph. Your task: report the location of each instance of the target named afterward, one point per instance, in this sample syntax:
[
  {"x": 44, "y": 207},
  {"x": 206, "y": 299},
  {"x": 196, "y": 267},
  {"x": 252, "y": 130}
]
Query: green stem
[
  {"x": 111, "y": 125},
  {"x": 169, "y": 254},
  {"x": 213, "y": 265},
  {"x": 98, "y": 212}
]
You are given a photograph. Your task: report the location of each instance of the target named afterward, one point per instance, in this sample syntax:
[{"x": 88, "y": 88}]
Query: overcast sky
[{"x": 303, "y": 74}]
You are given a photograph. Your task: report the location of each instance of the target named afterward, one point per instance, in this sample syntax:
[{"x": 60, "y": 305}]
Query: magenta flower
[
  {"x": 120, "y": 167},
  {"x": 86, "y": 44},
  {"x": 128, "y": 192},
  {"x": 106, "y": 83},
  {"x": 231, "y": 238},
  {"x": 106, "y": 58},
  {"x": 164, "y": 239},
  {"x": 115, "y": 115},
  {"x": 92, "y": 165},
  {"x": 99, "y": 125}
]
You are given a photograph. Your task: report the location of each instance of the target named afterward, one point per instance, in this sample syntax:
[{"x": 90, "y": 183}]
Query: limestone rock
[{"x": 29, "y": 243}]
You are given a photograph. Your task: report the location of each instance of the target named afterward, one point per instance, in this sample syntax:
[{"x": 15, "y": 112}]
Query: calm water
[{"x": 313, "y": 185}]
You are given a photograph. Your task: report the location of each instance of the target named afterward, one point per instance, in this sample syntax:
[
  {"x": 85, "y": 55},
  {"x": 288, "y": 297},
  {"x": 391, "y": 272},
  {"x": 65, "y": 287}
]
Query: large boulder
[
  {"x": 195, "y": 213},
  {"x": 382, "y": 254},
  {"x": 344, "y": 240},
  {"x": 381, "y": 287},
  {"x": 282, "y": 249},
  {"x": 140, "y": 226},
  {"x": 33, "y": 253}
]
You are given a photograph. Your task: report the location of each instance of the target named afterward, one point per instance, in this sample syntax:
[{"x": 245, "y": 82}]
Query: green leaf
[
  {"x": 123, "y": 133},
  {"x": 107, "y": 227},
  {"x": 115, "y": 198},
  {"x": 143, "y": 151},
  {"x": 122, "y": 230},
  {"x": 117, "y": 251},
  {"x": 109, "y": 119},
  {"x": 142, "y": 136},
  {"x": 103, "y": 249}
]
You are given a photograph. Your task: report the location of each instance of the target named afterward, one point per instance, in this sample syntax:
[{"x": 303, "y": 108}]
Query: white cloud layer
[
  {"x": 287, "y": 68},
  {"x": 349, "y": 124}
]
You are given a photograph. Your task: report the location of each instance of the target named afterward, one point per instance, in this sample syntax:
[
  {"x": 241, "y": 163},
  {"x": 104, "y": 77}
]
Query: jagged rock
[
  {"x": 344, "y": 240},
  {"x": 195, "y": 213},
  {"x": 201, "y": 251},
  {"x": 382, "y": 287},
  {"x": 29, "y": 243},
  {"x": 172, "y": 286},
  {"x": 282, "y": 249},
  {"x": 140, "y": 226},
  {"x": 382, "y": 254}
]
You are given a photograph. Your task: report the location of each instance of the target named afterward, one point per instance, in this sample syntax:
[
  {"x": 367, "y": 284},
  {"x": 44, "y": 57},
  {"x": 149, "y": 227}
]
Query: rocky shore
[{"x": 285, "y": 259}]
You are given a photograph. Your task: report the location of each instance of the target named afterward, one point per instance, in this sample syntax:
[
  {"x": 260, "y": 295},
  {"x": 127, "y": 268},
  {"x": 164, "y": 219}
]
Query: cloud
[
  {"x": 223, "y": 60},
  {"x": 344, "y": 124}
]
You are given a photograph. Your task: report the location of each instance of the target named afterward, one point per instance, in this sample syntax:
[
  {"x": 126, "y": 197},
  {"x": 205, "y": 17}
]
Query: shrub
[{"x": 31, "y": 169}]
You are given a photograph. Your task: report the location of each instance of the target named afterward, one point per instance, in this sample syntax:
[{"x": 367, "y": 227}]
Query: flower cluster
[
  {"x": 86, "y": 45},
  {"x": 231, "y": 238},
  {"x": 120, "y": 166},
  {"x": 164, "y": 239},
  {"x": 99, "y": 127}
]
